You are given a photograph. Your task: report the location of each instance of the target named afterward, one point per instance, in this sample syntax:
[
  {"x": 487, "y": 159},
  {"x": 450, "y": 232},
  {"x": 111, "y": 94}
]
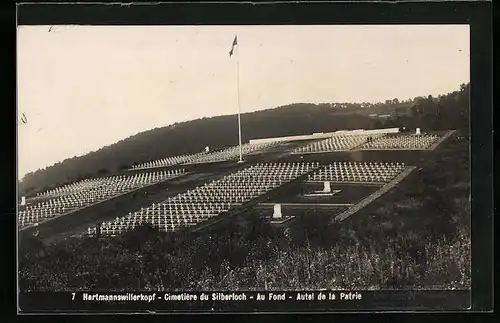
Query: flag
[{"x": 235, "y": 42}]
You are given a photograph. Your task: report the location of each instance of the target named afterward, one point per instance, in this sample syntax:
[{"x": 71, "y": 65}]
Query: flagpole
[{"x": 239, "y": 104}]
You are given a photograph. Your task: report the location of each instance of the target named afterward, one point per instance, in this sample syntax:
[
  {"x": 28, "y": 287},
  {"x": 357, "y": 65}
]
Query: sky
[{"x": 81, "y": 88}]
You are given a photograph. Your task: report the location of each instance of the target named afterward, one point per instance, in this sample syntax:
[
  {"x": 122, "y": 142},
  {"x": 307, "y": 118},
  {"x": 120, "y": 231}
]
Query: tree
[
  {"x": 414, "y": 111},
  {"x": 399, "y": 111}
]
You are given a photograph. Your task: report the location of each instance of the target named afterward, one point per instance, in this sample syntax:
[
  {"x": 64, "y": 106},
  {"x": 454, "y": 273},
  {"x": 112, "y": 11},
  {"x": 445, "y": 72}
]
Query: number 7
[{"x": 73, "y": 298}]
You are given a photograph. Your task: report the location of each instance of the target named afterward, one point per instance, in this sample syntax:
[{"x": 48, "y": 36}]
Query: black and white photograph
[{"x": 243, "y": 161}]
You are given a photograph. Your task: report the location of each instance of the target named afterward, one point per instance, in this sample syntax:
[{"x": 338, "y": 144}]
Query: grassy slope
[{"x": 416, "y": 236}]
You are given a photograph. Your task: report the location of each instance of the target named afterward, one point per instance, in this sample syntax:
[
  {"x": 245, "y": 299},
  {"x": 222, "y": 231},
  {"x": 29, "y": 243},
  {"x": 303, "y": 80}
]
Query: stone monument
[
  {"x": 277, "y": 211},
  {"x": 326, "y": 187}
]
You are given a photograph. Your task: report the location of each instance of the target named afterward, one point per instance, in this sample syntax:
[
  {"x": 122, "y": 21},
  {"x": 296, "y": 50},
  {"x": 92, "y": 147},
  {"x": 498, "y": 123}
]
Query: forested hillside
[{"x": 449, "y": 111}]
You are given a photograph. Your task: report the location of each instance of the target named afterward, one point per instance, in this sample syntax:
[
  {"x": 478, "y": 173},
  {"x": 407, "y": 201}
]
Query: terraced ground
[{"x": 415, "y": 235}]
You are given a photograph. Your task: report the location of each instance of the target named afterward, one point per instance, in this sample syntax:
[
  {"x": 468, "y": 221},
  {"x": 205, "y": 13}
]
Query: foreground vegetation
[{"x": 416, "y": 236}]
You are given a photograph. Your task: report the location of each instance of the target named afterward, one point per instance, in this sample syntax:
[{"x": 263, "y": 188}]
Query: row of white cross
[
  {"x": 211, "y": 199},
  {"x": 403, "y": 142},
  {"x": 169, "y": 161},
  {"x": 378, "y": 141},
  {"x": 358, "y": 172},
  {"x": 203, "y": 157},
  {"x": 73, "y": 187},
  {"x": 233, "y": 152},
  {"x": 97, "y": 183},
  {"x": 338, "y": 142},
  {"x": 102, "y": 190}
]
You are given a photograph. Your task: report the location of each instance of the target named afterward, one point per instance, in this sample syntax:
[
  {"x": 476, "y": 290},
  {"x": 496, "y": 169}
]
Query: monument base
[
  {"x": 321, "y": 194},
  {"x": 282, "y": 220}
]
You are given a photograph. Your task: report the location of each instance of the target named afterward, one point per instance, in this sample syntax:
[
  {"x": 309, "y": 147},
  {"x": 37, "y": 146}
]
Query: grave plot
[
  {"x": 85, "y": 193},
  {"x": 209, "y": 200},
  {"x": 357, "y": 172},
  {"x": 232, "y": 153},
  {"x": 402, "y": 142},
  {"x": 335, "y": 143},
  {"x": 334, "y": 189},
  {"x": 168, "y": 161},
  {"x": 70, "y": 188}
]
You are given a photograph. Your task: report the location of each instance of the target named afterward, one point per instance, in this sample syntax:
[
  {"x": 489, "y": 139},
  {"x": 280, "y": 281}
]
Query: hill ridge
[{"x": 222, "y": 131}]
